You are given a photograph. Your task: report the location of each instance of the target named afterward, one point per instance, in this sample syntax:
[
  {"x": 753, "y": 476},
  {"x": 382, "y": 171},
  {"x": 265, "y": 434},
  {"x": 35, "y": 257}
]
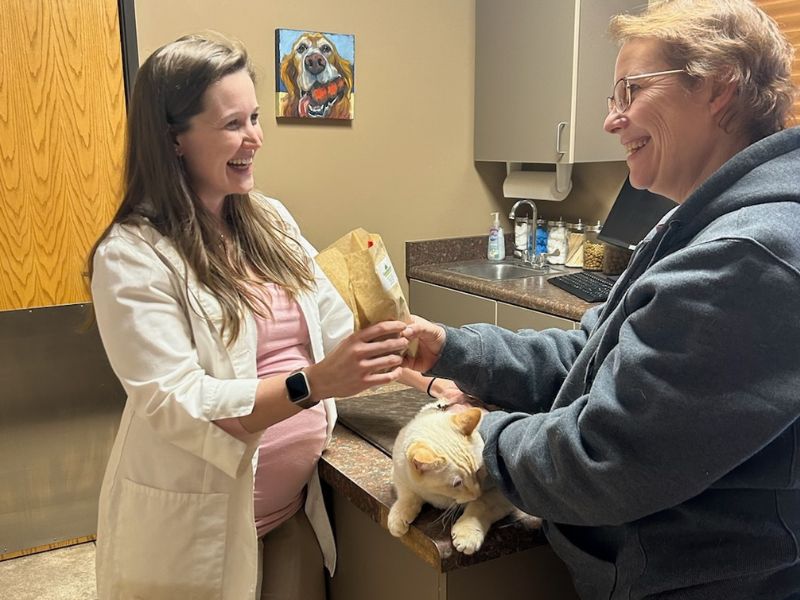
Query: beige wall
[
  {"x": 594, "y": 188},
  {"x": 403, "y": 168}
]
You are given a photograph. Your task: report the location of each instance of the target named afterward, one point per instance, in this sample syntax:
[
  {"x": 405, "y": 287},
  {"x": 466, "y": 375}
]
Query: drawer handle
[{"x": 559, "y": 129}]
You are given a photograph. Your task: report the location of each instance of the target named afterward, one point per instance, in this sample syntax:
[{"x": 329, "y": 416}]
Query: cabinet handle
[{"x": 559, "y": 129}]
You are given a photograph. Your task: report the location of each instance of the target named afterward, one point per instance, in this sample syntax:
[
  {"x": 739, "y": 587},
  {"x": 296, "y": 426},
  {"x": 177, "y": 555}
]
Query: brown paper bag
[{"x": 360, "y": 269}]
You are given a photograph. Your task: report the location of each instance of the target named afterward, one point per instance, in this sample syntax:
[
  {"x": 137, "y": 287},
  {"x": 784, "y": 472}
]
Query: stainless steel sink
[{"x": 494, "y": 271}]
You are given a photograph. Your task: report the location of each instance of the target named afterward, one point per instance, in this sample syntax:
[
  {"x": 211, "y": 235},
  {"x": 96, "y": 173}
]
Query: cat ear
[
  {"x": 422, "y": 457},
  {"x": 467, "y": 420}
]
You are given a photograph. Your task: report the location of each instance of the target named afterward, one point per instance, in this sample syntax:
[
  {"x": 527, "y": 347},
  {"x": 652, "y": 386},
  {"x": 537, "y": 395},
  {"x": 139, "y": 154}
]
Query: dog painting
[{"x": 314, "y": 74}]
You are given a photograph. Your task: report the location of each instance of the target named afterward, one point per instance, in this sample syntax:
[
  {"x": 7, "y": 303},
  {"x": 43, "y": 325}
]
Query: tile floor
[{"x": 63, "y": 574}]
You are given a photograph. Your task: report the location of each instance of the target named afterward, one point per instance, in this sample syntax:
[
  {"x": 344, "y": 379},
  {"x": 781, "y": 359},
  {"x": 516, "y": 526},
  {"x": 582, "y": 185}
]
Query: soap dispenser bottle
[{"x": 496, "y": 249}]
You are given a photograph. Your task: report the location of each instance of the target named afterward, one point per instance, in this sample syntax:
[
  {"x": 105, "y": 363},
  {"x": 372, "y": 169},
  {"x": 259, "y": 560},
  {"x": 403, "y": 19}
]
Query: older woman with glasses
[{"x": 660, "y": 442}]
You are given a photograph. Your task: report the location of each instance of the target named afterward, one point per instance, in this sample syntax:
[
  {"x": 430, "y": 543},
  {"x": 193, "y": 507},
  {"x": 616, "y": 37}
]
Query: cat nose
[{"x": 471, "y": 495}]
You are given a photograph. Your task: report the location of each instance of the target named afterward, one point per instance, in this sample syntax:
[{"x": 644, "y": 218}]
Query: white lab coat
[{"x": 176, "y": 506}]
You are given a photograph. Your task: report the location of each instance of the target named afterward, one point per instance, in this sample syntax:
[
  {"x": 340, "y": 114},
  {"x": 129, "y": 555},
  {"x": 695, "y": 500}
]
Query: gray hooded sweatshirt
[{"x": 660, "y": 442}]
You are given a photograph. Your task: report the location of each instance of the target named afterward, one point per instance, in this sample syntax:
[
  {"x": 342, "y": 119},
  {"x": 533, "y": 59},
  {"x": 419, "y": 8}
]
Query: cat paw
[
  {"x": 467, "y": 539},
  {"x": 398, "y": 526}
]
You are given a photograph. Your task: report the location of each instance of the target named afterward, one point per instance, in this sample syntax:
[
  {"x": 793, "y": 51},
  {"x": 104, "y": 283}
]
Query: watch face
[{"x": 297, "y": 386}]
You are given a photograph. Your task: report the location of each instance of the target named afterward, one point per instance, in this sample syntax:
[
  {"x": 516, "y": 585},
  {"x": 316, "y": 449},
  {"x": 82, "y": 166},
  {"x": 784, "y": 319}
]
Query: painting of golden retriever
[{"x": 314, "y": 74}]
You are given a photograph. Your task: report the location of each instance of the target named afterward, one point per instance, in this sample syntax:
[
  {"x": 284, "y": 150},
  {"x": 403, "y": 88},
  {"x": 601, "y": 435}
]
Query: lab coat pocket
[{"x": 168, "y": 544}]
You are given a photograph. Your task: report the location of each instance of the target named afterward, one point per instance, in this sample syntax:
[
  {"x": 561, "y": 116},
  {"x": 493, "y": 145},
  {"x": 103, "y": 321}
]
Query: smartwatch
[{"x": 299, "y": 390}]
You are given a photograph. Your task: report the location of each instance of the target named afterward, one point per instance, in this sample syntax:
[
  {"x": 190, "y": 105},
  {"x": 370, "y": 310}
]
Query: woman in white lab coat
[{"x": 186, "y": 281}]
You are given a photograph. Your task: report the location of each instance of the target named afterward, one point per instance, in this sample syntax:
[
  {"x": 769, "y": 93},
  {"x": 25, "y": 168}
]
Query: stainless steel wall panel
[{"x": 60, "y": 405}]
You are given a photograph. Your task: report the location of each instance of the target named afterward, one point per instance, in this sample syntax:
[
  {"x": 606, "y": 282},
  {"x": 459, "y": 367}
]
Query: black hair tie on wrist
[{"x": 429, "y": 387}]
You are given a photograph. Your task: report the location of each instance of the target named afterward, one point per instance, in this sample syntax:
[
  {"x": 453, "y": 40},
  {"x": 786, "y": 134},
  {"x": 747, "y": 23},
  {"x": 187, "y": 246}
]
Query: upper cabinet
[{"x": 543, "y": 71}]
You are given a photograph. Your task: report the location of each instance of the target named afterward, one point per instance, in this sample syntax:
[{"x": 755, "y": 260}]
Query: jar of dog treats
[
  {"x": 593, "y": 249},
  {"x": 615, "y": 260}
]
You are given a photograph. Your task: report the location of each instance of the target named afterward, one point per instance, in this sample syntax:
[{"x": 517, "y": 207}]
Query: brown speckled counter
[
  {"x": 427, "y": 260},
  {"x": 362, "y": 473}
]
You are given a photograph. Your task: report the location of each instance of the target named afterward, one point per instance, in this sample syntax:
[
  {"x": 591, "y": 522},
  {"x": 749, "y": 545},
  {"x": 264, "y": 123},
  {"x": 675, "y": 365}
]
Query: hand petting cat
[
  {"x": 437, "y": 456},
  {"x": 445, "y": 391},
  {"x": 448, "y": 391},
  {"x": 450, "y": 395}
]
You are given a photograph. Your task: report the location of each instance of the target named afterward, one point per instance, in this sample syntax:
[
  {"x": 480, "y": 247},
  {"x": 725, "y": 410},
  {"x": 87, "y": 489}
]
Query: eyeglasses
[{"x": 620, "y": 99}]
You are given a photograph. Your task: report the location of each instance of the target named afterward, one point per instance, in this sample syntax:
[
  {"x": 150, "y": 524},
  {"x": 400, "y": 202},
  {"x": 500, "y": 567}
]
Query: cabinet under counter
[{"x": 458, "y": 302}]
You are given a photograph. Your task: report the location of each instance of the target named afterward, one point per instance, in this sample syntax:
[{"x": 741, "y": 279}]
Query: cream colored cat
[{"x": 437, "y": 459}]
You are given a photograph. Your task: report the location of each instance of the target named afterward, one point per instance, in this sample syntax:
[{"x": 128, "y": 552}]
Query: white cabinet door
[
  {"x": 538, "y": 64},
  {"x": 516, "y": 318},
  {"x": 523, "y": 78},
  {"x": 450, "y": 307},
  {"x": 594, "y": 79}
]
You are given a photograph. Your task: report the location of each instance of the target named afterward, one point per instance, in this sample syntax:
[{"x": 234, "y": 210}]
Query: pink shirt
[{"x": 290, "y": 449}]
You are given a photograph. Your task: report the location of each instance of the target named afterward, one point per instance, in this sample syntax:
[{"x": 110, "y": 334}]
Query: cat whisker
[
  {"x": 449, "y": 515},
  {"x": 442, "y": 516}
]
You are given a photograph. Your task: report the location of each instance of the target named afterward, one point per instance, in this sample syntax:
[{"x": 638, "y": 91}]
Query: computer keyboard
[{"x": 586, "y": 286}]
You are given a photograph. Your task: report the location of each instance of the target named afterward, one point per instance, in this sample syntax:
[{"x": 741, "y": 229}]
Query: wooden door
[
  {"x": 787, "y": 14},
  {"x": 62, "y": 115}
]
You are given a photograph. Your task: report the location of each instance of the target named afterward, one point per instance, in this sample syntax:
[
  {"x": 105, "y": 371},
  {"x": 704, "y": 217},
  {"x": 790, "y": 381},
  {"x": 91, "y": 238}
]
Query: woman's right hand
[{"x": 364, "y": 359}]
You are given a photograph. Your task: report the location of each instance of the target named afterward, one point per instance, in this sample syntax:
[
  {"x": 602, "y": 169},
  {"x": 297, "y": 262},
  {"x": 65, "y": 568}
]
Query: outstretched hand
[
  {"x": 450, "y": 395},
  {"x": 364, "y": 359},
  {"x": 447, "y": 391},
  {"x": 430, "y": 338}
]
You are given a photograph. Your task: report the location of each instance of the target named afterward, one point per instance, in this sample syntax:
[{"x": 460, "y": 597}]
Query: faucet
[{"x": 528, "y": 252}]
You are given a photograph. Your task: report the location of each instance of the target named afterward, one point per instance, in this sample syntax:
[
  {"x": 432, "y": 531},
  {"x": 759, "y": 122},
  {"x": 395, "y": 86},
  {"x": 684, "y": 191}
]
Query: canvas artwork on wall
[{"x": 314, "y": 74}]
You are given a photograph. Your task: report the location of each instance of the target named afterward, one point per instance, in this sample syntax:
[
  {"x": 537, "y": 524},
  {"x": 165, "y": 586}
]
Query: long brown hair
[{"x": 168, "y": 92}]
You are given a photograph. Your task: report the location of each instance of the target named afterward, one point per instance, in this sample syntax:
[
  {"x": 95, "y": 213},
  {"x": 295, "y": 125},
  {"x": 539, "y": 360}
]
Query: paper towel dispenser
[{"x": 520, "y": 182}]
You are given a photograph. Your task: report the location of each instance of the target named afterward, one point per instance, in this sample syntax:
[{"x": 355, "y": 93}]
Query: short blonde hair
[{"x": 724, "y": 41}]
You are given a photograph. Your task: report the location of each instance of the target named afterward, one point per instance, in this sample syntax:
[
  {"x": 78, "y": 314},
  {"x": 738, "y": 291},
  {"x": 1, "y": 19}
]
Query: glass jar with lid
[
  {"x": 615, "y": 260},
  {"x": 593, "y": 249},
  {"x": 557, "y": 242},
  {"x": 521, "y": 237},
  {"x": 575, "y": 240},
  {"x": 541, "y": 237}
]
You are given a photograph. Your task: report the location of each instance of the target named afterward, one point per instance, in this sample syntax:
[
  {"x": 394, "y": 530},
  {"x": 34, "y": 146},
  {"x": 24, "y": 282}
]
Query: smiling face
[
  {"x": 221, "y": 141},
  {"x": 669, "y": 131}
]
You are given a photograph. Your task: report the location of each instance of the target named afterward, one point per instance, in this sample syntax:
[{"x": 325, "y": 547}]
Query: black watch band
[{"x": 299, "y": 390}]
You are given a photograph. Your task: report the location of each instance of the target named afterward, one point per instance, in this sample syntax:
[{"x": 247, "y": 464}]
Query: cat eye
[{"x": 457, "y": 482}]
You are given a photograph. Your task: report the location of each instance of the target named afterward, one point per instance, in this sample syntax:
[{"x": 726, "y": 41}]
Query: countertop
[
  {"x": 428, "y": 260},
  {"x": 361, "y": 472}
]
